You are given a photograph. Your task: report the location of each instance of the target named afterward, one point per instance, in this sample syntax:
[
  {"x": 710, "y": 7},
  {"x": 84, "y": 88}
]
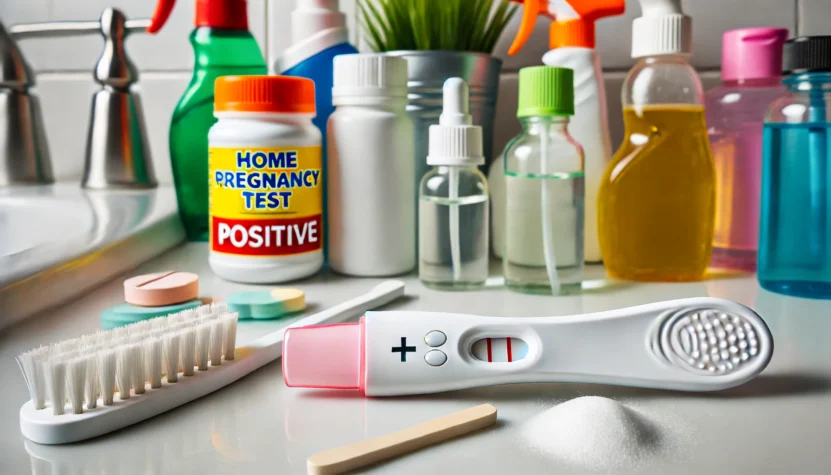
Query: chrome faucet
[
  {"x": 117, "y": 150},
  {"x": 23, "y": 148}
]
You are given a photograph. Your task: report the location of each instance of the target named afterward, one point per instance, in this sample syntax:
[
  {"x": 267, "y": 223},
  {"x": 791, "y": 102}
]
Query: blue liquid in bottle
[{"x": 795, "y": 222}]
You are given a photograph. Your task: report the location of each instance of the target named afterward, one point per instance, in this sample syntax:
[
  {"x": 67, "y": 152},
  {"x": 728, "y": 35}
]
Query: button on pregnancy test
[
  {"x": 435, "y": 358},
  {"x": 164, "y": 288},
  {"x": 435, "y": 338}
]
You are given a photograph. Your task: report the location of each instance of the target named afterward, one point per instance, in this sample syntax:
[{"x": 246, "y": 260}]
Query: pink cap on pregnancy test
[{"x": 324, "y": 356}]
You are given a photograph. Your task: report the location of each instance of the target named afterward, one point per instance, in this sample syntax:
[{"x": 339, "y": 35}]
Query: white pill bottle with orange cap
[
  {"x": 265, "y": 180},
  {"x": 572, "y": 42}
]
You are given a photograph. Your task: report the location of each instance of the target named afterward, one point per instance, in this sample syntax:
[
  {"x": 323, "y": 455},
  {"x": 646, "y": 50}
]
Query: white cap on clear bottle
[
  {"x": 454, "y": 141},
  {"x": 662, "y": 29},
  {"x": 360, "y": 77}
]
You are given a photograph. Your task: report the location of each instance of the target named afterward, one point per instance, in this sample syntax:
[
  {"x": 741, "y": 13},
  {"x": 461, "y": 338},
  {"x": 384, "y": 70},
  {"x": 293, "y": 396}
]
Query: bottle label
[{"x": 266, "y": 202}]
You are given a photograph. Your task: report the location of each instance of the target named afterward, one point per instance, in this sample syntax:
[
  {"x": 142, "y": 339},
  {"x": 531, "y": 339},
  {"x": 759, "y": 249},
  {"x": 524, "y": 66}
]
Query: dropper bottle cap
[
  {"x": 663, "y": 29},
  {"x": 454, "y": 141}
]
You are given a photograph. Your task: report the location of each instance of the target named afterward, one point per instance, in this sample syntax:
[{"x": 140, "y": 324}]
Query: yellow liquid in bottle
[{"x": 656, "y": 204}]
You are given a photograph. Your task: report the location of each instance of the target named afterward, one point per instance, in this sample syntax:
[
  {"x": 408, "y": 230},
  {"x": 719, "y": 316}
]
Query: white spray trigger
[{"x": 455, "y": 108}]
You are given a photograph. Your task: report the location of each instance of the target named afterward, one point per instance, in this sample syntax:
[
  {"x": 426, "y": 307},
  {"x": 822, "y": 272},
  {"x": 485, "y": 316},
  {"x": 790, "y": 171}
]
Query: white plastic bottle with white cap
[
  {"x": 453, "y": 199},
  {"x": 370, "y": 155}
]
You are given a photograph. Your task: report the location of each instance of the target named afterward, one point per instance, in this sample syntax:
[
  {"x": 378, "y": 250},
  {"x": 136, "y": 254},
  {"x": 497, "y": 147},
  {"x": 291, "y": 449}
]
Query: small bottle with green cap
[{"x": 544, "y": 188}]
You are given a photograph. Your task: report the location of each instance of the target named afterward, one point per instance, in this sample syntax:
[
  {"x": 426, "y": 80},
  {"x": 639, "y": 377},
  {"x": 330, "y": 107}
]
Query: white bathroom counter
[{"x": 778, "y": 423}]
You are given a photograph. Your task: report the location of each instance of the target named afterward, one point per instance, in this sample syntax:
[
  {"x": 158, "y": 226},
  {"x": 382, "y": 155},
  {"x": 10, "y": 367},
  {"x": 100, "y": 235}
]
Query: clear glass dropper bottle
[{"x": 453, "y": 200}]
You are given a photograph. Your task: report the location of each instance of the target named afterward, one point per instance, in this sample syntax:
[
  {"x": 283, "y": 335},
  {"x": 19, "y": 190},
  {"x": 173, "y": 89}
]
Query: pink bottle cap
[
  {"x": 323, "y": 356},
  {"x": 752, "y": 53}
]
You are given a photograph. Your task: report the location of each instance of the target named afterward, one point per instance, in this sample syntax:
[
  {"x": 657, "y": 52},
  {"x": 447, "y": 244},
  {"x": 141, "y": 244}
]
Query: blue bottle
[
  {"x": 795, "y": 222},
  {"x": 318, "y": 33}
]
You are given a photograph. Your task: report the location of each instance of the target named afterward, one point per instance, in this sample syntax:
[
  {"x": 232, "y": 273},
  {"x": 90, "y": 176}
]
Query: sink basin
[
  {"x": 30, "y": 221},
  {"x": 58, "y": 241}
]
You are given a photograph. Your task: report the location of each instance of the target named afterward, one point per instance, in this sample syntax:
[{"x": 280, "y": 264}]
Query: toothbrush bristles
[
  {"x": 75, "y": 381},
  {"x": 123, "y": 369},
  {"x": 154, "y": 362},
  {"x": 188, "y": 350},
  {"x": 171, "y": 356},
  {"x": 230, "y": 332},
  {"x": 91, "y": 382},
  {"x": 217, "y": 337},
  {"x": 56, "y": 385},
  {"x": 203, "y": 345},
  {"x": 106, "y": 375},
  {"x": 86, "y": 371}
]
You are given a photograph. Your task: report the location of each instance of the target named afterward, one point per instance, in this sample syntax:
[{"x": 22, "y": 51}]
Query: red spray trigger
[{"x": 160, "y": 15}]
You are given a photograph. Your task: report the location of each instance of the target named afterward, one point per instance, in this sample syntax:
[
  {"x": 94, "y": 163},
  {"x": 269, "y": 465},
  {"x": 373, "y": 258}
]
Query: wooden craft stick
[{"x": 367, "y": 452}]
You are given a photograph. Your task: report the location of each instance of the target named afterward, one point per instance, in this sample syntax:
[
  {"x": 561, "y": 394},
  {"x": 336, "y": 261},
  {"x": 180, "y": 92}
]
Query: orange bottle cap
[
  {"x": 264, "y": 94},
  {"x": 577, "y": 32}
]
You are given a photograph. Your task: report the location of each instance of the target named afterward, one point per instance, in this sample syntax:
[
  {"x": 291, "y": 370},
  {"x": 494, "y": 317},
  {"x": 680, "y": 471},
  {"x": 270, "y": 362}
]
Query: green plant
[{"x": 456, "y": 25}]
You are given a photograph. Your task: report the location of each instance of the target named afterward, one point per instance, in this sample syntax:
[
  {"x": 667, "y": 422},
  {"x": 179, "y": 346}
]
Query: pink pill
[{"x": 164, "y": 288}]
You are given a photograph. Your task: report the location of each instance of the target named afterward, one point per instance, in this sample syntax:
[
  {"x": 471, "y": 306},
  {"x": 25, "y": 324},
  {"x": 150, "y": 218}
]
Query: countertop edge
[{"x": 64, "y": 282}]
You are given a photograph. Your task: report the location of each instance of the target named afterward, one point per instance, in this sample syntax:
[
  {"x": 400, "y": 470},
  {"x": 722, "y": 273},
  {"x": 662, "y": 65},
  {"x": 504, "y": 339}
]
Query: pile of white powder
[{"x": 595, "y": 433}]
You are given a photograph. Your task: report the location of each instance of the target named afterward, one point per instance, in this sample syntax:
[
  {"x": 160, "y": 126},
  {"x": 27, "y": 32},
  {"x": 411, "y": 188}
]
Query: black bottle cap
[{"x": 806, "y": 53}]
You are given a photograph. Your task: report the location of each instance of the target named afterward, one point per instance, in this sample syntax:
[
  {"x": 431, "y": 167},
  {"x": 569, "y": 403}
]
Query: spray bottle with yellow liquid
[{"x": 656, "y": 206}]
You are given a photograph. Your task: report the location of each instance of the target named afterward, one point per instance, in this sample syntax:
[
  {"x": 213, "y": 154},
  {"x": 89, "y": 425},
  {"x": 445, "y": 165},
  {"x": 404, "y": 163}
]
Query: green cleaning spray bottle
[{"x": 222, "y": 46}]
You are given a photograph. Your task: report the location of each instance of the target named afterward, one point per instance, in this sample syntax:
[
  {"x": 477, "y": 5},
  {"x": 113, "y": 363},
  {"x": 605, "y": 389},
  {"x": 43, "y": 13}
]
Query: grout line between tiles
[
  {"x": 267, "y": 15},
  {"x": 146, "y": 74},
  {"x": 799, "y": 26},
  {"x": 616, "y": 72}
]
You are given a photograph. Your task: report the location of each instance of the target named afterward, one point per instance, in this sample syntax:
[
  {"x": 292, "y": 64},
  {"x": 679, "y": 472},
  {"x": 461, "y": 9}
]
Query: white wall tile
[
  {"x": 279, "y": 25},
  {"x": 711, "y": 18},
  {"x": 169, "y": 50},
  {"x": 66, "y": 100},
  {"x": 159, "y": 94},
  {"x": 614, "y": 86},
  {"x": 814, "y": 17}
]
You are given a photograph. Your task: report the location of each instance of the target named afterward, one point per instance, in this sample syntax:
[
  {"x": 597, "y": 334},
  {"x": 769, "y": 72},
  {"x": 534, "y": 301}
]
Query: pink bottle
[{"x": 751, "y": 65}]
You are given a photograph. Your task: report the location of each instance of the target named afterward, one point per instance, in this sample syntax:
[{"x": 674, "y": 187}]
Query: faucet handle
[
  {"x": 54, "y": 28},
  {"x": 15, "y": 72},
  {"x": 117, "y": 151},
  {"x": 70, "y": 28},
  {"x": 114, "y": 67}
]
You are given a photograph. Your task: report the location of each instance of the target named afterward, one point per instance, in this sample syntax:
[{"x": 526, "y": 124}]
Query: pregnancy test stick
[
  {"x": 367, "y": 452},
  {"x": 696, "y": 344}
]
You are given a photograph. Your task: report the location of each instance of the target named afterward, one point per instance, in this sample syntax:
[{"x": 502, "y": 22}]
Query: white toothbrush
[
  {"x": 697, "y": 344},
  {"x": 130, "y": 357}
]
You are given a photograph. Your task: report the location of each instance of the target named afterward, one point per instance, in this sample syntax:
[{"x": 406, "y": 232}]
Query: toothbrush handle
[
  {"x": 636, "y": 346},
  {"x": 271, "y": 345}
]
